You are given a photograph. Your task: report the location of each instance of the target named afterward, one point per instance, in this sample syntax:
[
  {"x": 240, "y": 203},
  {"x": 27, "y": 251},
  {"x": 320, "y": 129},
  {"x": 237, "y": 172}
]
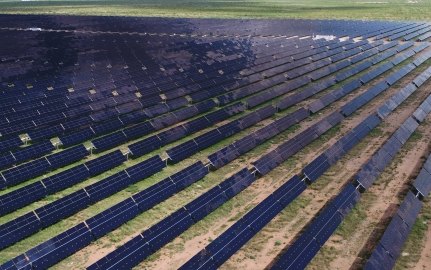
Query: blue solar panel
[
  {"x": 223, "y": 156},
  {"x": 395, "y": 236},
  {"x": 67, "y": 156},
  {"x": 109, "y": 141},
  {"x": 112, "y": 218},
  {"x": 182, "y": 151},
  {"x": 145, "y": 146},
  {"x": 54, "y": 250},
  {"x": 19, "y": 228},
  {"x": 316, "y": 168},
  {"x": 138, "y": 130},
  {"x": 33, "y": 151},
  {"x": 105, "y": 162},
  {"x": 18, "y": 198},
  {"x": 423, "y": 182},
  {"x": 164, "y": 121},
  {"x": 145, "y": 168},
  {"x": 172, "y": 134},
  {"x": 197, "y": 124},
  {"x": 10, "y": 143},
  {"x": 62, "y": 208},
  {"x": 77, "y": 137},
  {"x": 25, "y": 171},
  {"x": 367, "y": 175},
  {"x": 380, "y": 260},
  {"x": 409, "y": 209},
  {"x": 65, "y": 179},
  {"x": 268, "y": 162}
]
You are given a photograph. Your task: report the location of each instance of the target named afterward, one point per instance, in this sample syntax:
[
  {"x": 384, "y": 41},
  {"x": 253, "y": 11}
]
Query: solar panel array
[{"x": 107, "y": 103}]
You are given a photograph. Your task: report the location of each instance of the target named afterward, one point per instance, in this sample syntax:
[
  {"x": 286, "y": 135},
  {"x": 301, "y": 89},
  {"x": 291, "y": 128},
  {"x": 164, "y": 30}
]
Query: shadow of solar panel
[
  {"x": 145, "y": 146},
  {"x": 62, "y": 208},
  {"x": 268, "y": 162},
  {"x": 67, "y": 156},
  {"x": 21, "y": 227},
  {"x": 409, "y": 209},
  {"x": 197, "y": 124},
  {"x": 112, "y": 218},
  {"x": 394, "y": 237},
  {"x": 65, "y": 179},
  {"x": 367, "y": 175},
  {"x": 423, "y": 182},
  {"x": 25, "y": 171},
  {"x": 60, "y": 247}
]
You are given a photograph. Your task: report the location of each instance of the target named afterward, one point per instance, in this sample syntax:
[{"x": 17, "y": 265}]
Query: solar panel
[
  {"x": 409, "y": 209},
  {"x": 109, "y": 186},
  {"x": 268, "y": 162},
  {"x": 145, "y": 168},
  {"x": 367, "y": 175},
  {"x": 67, "y": 156},
  {"x": 105, "y": 162},
  {"x": 109, "y": 141},
  {"x": 77, "y": 137},
  {"x": 395, "y": 236},
  {"x": 62, "y": 208},
  {"x": 33, "y": 151},
  {"x": 18, "y": 198},
  {"x": 145, "y": 146},
  {"x": 316, "y": 168},
  {"x": 60, "y": 247},
  {"x": 423, "y": 182},
  {"x": 112, "y": 217},
  {"x": 65, "y": 179},
  {"x": 392, "y": 146},
  {"x": 197, "y": 124},
  {"x": 380, "y": 259},
  {"x": 19, "y": 228},
  {"x": 185, "y": 113},
  {"x": 25, "y": 171}
]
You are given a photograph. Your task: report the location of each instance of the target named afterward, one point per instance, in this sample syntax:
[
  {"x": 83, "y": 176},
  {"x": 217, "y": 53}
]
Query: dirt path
[{"x": 425, "y": 261}]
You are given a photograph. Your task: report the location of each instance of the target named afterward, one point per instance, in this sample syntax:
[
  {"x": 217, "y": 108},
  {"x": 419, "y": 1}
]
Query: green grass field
[{"x": 320, "y": 9}]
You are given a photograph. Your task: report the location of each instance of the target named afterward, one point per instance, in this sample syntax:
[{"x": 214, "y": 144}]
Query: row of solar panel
[
  {"x": 312, "y": 172},
  {"x": 253, "y": 101},
  {"x": 114, "y": 97},
  {"x": 274, "y": 158},
  {"x": 423, "y": 182},
  {"x": 26, "y": 153},
  {"x": 389, "y": 247},
  {"x": 166, "y": 230},
  {"x": 116, "y": 215},
  {"x": 369, "y": 172},
  {"x": 21, "y": 197},
  {"x": 23, "y": 172},
  {"x": 224, "y": 246},
  {"x": 302, "y": 251},
  {"x": 408, "y": 32},
  {"x": 78, "y": 200},
  {"x": 132, "y": 69},
  {"x": 329, "y": 157},
  {"x": 231, "y": 240},
  {"x": 355, "y": 84},
  {"x": 167, "y": 120},
  {"x": 399, "y": 30},
  {"x": 86, "y": 132}
]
